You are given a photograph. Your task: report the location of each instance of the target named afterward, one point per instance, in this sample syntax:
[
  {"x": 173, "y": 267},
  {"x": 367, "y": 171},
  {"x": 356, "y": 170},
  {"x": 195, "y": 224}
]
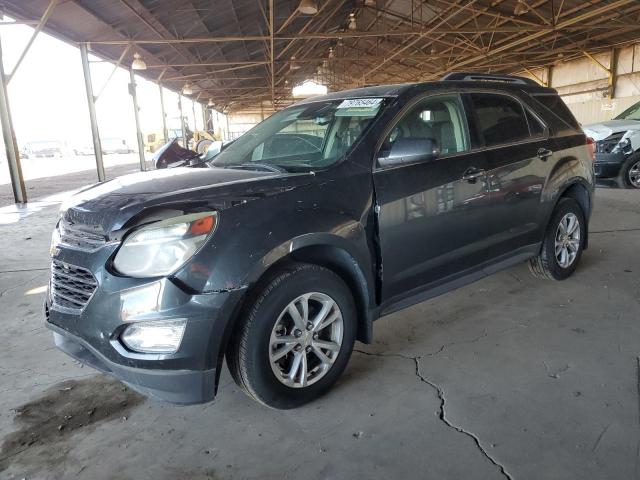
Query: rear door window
[{"x": 500, "y": 119}]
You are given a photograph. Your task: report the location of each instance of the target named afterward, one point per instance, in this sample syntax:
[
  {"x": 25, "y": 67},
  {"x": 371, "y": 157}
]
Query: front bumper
[
  {"x": 607, "y": 165},
  {"x": 92, "y": 336},
  {"x": 183, "y": 387}
]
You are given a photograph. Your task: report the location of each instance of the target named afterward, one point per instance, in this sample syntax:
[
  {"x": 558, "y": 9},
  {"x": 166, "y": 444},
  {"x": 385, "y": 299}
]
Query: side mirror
[{"x": 410, "y": 150}]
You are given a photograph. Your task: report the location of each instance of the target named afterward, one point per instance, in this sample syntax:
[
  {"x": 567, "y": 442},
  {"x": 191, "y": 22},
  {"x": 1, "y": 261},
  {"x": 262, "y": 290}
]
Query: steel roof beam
[{"x": 43, "y": 20}]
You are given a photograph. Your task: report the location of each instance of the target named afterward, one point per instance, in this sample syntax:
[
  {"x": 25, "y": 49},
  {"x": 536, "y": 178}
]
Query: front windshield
[
  {"x": 631, "y": 113},
  {"x": 302, "y": 138}
]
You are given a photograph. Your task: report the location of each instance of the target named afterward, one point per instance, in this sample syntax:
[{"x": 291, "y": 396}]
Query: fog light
[{"x": 158, "y": 336}]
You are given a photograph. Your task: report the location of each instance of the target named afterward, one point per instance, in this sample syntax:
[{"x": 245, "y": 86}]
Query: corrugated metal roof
[{"x": 223, "y": 46}]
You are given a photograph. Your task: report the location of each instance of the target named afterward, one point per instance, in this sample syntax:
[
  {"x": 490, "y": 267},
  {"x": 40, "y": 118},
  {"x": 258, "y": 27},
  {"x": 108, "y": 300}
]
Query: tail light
[{"x": 591, "y": 144}]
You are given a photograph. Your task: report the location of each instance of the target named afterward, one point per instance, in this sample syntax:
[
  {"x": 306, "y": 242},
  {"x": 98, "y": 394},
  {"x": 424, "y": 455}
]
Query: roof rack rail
[{"x": 488, "y": 77}]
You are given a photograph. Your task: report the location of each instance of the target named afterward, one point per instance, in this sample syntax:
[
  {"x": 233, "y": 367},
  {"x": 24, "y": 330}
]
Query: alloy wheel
[
  {"x": 306, "y": 340},
  {"x": 634, "y": 174},
  {"x": 567, "y": 242}
]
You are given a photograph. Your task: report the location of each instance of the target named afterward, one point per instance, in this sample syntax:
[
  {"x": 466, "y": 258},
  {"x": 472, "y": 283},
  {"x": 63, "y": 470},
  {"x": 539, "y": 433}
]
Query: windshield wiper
[{"x": 258, "y": 166}]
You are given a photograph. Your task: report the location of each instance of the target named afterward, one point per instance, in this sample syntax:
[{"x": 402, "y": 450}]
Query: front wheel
[
  {"x": 630, "y": 171},
  {"x": 296, "y": 338},
  {"x": 563, "y": 242}
]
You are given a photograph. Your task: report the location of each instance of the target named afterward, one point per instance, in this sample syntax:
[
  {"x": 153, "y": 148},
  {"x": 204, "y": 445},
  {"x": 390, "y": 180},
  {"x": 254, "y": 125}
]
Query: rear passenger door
[{"x": 518, "y": 151}]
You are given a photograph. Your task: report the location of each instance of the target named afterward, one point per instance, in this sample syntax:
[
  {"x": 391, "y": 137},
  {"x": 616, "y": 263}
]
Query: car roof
[{"x": 399, "y": 89}]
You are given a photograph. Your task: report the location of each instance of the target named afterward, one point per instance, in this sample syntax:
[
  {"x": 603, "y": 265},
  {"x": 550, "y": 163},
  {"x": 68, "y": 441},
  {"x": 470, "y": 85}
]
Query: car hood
[
  {"x": 600, "y": 131},
  {"x": 110, "y": 206}
]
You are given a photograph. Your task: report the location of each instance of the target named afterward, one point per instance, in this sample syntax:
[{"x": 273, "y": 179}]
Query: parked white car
[{"x": 617, "y": 145}]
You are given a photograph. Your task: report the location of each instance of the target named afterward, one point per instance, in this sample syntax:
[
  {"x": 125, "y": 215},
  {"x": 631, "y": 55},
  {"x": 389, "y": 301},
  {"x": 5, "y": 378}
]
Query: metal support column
[
  {"x": 136, "y": 109},
  {"x": 205, "y": 118},
  {"x": 613, "y": 73},
  {"x": 10, "y": 143},
  {"x": 97, "y": 146},
  {"x": 184, "y": 130},
  {"x": 193, "y": 110},
  {"x": 164, "y": 115}
]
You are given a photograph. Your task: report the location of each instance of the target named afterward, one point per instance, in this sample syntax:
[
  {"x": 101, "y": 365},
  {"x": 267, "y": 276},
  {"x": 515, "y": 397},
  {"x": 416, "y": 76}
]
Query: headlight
[
  {"x": 55, "y": 240},
  {"x": 162, "y": 247},
  {"x": 623, "y": 144},
  {"x": 159, "y": 336}
]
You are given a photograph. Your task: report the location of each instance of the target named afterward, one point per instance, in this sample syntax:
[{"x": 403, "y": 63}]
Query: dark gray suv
[{"x": 284, "y": 248}]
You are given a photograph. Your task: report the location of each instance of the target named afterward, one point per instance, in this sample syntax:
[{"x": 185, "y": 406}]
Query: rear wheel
[
  {"x": 563, "y": 242},
  {"x": 630, "y": 171},
  {"x": 296, "y": 338}
]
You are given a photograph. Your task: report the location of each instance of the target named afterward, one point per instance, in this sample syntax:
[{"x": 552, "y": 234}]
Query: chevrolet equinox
[{"x": 282, "y": 249}]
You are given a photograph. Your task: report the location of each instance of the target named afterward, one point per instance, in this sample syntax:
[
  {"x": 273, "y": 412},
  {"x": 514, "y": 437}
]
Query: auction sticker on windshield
[{"x": 358, "y": 107}]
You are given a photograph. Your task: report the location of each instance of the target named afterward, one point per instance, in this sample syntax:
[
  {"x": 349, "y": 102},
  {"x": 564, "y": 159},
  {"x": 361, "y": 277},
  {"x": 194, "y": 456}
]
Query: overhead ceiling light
[
  {"x": 308, "y": 7},
  {"x": 433, "y": 50},
  {"x": 521, "y": 8},
  {"x": 138, "y": 63},
  {"x": 309, "y": 88},
  {"x": 352, "y": 21},
  {"x": 294, "y": 65},
  {"x": 370, "y": 3},
  {"x": 187, "y": 90},
  {"x": 210, "y": 103},
  {"x": 330, "y": 52}
]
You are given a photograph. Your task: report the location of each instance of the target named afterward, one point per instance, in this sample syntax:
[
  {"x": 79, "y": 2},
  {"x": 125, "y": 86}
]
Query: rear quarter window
[
  {"x": 535, "y": 127},
  {"x": 559, "y": 109}
]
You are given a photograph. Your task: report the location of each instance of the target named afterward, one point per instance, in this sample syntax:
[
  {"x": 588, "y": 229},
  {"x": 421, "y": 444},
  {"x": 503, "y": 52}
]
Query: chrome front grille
[
  {"x": 71, "y": 286},
  {"x": 80, "y": 239}
]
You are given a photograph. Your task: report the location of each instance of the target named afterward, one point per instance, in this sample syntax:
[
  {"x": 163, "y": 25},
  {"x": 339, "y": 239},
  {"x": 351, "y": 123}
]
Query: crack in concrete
[
  {"x": 443, "y": 417},
  {"x": 597, "y": 442},
  {"x": 2, "y": 294},
  {"x": 440, "y": 393},
  {"x": 25, "y": 270},
  {"x": 617, "y": 230}
]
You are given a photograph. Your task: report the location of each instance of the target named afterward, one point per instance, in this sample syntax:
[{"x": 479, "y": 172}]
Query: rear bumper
[{"x": 182, "y": 387}]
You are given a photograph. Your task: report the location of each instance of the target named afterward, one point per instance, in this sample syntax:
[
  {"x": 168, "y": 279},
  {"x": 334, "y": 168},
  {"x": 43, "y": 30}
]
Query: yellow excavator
[
  {"x": 198, "y": 141},
  {"x": 202, "y": 139}
]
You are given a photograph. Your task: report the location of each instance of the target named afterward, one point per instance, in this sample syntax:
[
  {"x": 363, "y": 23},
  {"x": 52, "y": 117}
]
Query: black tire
[
  {"x": 633, "y": 162},
  {"x": 546, "y": 265},
  {"x": 248, "y": 351}
]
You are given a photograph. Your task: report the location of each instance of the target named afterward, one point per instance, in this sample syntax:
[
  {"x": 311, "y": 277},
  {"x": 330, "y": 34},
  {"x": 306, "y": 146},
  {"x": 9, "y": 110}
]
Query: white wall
[{"x": 583, "y": 85}]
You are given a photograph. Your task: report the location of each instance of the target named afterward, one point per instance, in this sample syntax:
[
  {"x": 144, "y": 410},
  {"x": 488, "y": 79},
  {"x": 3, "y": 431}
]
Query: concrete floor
[
  {"x": 510, "y": 377},
  {"x": 48, "y": 176}
]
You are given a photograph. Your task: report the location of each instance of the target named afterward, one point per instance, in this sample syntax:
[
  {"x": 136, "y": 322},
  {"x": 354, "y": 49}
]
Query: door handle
[
  {"x": 472, "y": 174},
  {"x": 544, "y": 153}
]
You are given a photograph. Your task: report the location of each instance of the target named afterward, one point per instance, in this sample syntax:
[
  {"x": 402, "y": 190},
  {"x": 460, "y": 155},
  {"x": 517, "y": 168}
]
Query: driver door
[{"x": 431, "y": 213}]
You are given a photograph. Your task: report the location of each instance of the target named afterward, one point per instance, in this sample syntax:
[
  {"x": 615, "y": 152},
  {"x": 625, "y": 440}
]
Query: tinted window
[
  {"x": 558, "y": 108},
  {"x": 631, "y": 113},
  {"x": 439, "y": 119},
  {"x": 535, "y": 127},
  {"x": 500, "y": 119}
]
